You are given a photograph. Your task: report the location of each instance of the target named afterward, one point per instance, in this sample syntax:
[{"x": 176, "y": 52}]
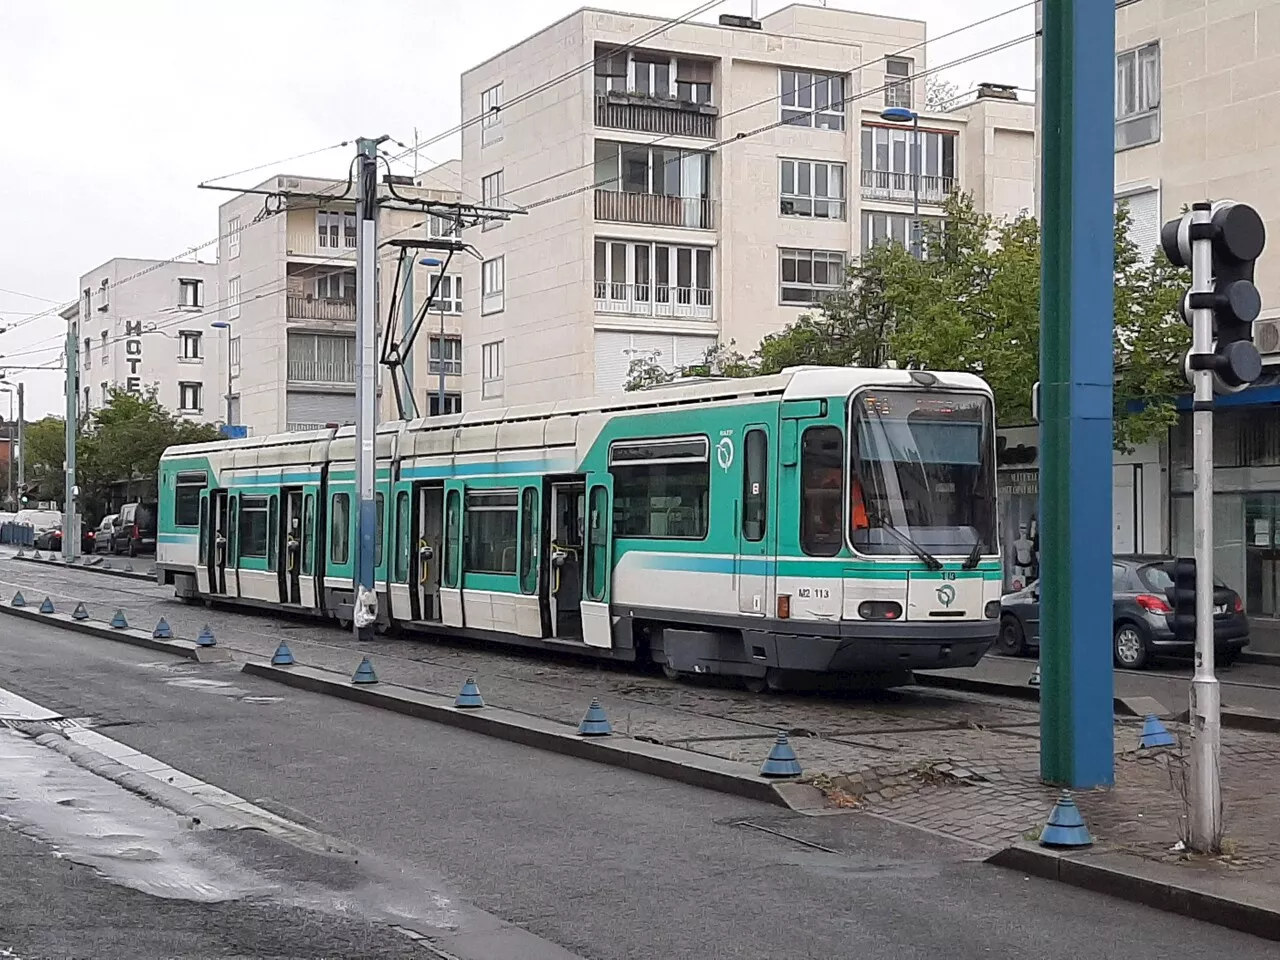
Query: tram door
[
  {"x": 566, "y": 533},
  {"x": 217, "y": 542},
  {"x": 428, "y": 551},
  {"x": 754, "y": 535},
  {"x": 289, "y": 539}
]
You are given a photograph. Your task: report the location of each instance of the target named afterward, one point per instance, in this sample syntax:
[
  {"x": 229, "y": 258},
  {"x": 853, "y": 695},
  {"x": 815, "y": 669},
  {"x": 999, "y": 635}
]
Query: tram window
[
  {"x": 308, "y": 524},
  {"x": 661, "y": 488},
  {"x": 340, "y": 531},
  {"x": 490, "y": 542},
  {"x": 273, "y": 534},
  {"x": 204, "y": 526},
  {"x": 379, "y": 527},
  {"x": 755, "y": 485},
  {"x": 598, "y": 546},
  {"x": 528, "y": 540},
  {"x": 402, "y": 537},
  {"x": 253, "y": 527},
  {"x": 822, "y": 491},
  {"x": 186, "y": 498}
]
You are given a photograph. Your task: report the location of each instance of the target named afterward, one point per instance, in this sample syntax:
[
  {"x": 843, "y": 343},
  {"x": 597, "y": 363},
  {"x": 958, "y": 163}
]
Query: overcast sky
[{"x": 113, "y": 112}]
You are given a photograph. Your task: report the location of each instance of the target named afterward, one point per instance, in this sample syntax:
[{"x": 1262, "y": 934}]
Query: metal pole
[
  {"x": 228, "y": 374},
  {"x": 70, "y": 535},
  {"x": 1077, "y": 725},
  {"x": 22, "y": 449},
  {"x": 1205, "y": 787},
  {"x": 9, "y": 491},
  {"x": 915, "y": 185},
  {"x": 440, "y": 389},
  {"x": 365, "y": 598},
  {"x": 406, "y": 321}
]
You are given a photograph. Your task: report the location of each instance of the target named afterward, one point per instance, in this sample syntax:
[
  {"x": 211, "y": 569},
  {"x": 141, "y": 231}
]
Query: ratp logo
[
  {"x": 724, "y": 453},
  {"x": 946, "y": 594}
]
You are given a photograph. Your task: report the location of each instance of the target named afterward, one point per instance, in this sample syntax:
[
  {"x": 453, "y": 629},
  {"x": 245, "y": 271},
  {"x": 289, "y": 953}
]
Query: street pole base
[{"x": 1204, "y": 788}]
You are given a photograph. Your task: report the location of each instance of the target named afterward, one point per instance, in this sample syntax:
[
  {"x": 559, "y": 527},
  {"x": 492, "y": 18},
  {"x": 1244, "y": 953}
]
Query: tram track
[{"x": 1165, "y": 674}]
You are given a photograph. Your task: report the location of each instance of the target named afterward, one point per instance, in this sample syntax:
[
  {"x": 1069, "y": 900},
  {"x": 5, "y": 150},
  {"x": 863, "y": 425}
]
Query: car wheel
[
  {"x": 1129, "y": 646},
  {"x": 1012, "y": 640},
  {"x": 1227, "y": 658}
]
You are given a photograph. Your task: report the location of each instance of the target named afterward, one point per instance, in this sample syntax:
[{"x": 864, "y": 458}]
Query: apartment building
[
  {"x": 288, "y": 310},
  {"x": 693, "y": 190},
  {"x": 144, "y": 325}
]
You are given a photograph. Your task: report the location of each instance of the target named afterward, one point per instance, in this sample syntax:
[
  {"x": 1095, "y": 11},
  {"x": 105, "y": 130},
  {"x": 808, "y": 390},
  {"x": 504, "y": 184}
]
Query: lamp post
[
  {"x": 433, "y": 262},
  {"x": 903, "y": 115},
  {"x": 11, "y": 390},
  {"x": 226, "y": 325}
]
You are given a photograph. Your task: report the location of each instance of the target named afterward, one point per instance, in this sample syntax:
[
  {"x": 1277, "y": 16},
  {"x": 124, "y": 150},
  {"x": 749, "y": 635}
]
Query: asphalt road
[{"x": 605, "y": 863}]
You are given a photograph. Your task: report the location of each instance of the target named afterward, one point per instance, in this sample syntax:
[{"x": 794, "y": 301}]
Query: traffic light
[
  {"x": 23, "y": 496},
  {"x": 1220, "y": 242},
  {"x": 1182, "y": 597}
]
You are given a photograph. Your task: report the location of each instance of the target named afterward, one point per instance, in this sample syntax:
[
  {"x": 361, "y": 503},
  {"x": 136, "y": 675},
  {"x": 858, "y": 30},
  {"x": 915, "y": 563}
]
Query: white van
[{"x": 40, "y": 520}]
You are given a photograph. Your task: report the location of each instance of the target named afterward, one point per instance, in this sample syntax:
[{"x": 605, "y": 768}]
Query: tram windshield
[{"x": 922, "y": 473}]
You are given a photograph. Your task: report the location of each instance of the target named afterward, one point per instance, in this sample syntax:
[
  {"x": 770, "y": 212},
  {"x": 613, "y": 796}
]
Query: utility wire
[{"x": 276, "y": 163}]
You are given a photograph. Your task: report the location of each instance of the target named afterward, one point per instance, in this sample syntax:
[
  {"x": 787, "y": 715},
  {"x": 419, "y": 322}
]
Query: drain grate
[{"x": 60, "y": 723}]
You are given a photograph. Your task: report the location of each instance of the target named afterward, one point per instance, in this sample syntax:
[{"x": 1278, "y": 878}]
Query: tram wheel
[
  {"x": 756, "y": 684},
  {"x": 671, "y": 673}
]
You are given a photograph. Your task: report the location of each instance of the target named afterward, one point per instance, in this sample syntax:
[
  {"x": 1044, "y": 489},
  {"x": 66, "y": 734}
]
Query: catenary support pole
[
  {"x": 22, "y": 450},
  {"x": 70, "y": 526},
  {"x": 1206, "y": 736},
  {"x": 365, "y": 598},
  {"x": 1077, "y": 303}
]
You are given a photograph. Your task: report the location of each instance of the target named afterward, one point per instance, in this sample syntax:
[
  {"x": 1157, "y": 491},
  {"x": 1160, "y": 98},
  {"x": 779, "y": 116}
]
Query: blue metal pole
[
  {"x": 1077, "y": 304},
  {"x": 364, "y": 597}
]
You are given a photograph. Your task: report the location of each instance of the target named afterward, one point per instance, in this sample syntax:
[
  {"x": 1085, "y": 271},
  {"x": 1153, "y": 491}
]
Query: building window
[
  {"x": 1138, "y": 96},
  {"x": 452, "y": 404},
  {"x": 1144, "y": 219},
  {"x": 340, "y": 528},
  {"x": 611, "y": 73},
  {"x": 880, "y": 227},
  {"x": 253, "y": 527},
  {"x": 491, "y": 114},
  {"x": 446, "y": 294},
  {"x": 812, "y": 99},
  {"x": 491, "y": 385},
  {"x": 103, "y": 297},
  {"x": 810, "y": 275},
  {"x": 693, "y": 81},
  {"x": 661, "y": 488},
  {"x": 233, "y": 351},
  {"x": 233, "y": 298},
  {"x": 891, "y": 162},
  {"x": 336, "y": 285},
  {"x": 336, "y": 229},
  {"x": 661, "y": 171},
  {"x": 491, "y": 196},
  {"x": 653, "y": 279},
  {"x": 493, "y": 274},
  {"x": 320, "y": 358},
  {"x": 104, "y": 348},
  {"x": 87, "y": 403},
  {"x": 442, "y": 227},
  {"x": 822, "y": 491},
  {"x": 897, "y": 82},
  {"x": 189, "y": 397},
  {"x": 812, "y": 189},
  {"x": 87, "y": 307},
  {"x": 233, "y": 238},
  {"x": 88, "y": 353},
  {"x": 190, "y": 346},
  {"x": 448, "y": 350},
  {"x": 105, "y": 389},
  {"x": 190, "y": 293},
  {"x": 490, "y": 541}
]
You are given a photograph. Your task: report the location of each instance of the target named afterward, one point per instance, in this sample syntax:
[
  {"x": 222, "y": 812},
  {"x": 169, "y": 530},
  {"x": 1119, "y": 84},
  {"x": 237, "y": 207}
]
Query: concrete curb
[
  {"x": 139, "y": 638},
  {"x": 1224, "y": 902},
  {"x": 711, "y": 773},
  {"x": 105, "y": 571},
  {"x": 1259, "y": 657}
]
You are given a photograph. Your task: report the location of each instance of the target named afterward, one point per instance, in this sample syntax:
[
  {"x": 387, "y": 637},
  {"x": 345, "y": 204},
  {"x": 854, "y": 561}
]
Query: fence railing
[
  {"x": 653, "y": 300},
  {"x": 320, "y": 308},
  {"x": 655, "y": 209},
  {"x": 321, "y": 371},
  {"x": 887, "y": 185},
  {"x": 671, "y": 118},
  {"x": 17, "y": 534}
]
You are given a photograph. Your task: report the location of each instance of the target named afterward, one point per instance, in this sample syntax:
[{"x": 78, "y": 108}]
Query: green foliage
[
  {"x": 121, "y": 441},
  {"x": 974, "y": 305}
]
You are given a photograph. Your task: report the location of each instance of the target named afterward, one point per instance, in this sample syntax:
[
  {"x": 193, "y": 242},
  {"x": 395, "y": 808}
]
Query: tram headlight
[
  {"x": 880, "y": 610},
  {"x": 992, "y": 609}
]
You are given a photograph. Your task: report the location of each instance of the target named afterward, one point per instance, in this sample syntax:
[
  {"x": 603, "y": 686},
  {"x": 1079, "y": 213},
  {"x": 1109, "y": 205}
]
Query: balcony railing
[
  {"x": 308, "y": 244},
  {"x": 651, "y": 300},
  {"x": 322, "y": 371},
  {"x": 669, "y": 117},
  {"x": 321, "y": 308},
  {"x": 887, "y": 185},
  {"x": 452, "y": 368},
  {"x": 655, "y": 209}
]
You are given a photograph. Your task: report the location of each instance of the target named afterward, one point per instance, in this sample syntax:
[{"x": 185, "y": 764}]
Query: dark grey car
[{"x": 1141, "y": 616}]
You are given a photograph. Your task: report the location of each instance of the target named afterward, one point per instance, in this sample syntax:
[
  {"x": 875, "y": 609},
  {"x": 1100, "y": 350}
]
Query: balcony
[
  {"x": 655, "y": 210},
  {"x": 649, "y": 300},
  {"x": 887, "y": 185},
  {"x": 320, "y": 308},
  {"x": 322, "y": 371},
  {"x": 311, "y": 244},
  {"x": 662, "y": 115}
]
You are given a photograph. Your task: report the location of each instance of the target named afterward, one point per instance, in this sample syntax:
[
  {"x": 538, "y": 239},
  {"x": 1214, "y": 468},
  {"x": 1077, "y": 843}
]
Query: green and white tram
[{"x": 821, "y": 520}]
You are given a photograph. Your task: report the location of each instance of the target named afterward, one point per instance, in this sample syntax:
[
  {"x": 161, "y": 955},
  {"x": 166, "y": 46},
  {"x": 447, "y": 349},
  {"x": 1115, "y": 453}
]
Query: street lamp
[
  {"x": 433, "y": 262},
  {"x": 226, "y": 325},
  {"x": 903, "y": 115}
]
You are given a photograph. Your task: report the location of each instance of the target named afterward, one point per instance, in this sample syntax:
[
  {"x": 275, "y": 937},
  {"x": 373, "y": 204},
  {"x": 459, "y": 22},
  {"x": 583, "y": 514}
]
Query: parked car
[
  {"x": 137, "y": 529},
  {"x": 50, "y": 539},
  {"x": 105, "y": 534},
  {"x": 1140, "y": 617}
]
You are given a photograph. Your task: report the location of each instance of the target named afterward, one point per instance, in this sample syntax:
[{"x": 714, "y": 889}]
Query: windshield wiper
[
  {"x": 930, "y": 561},
  {"x": 975, "y": 555}
]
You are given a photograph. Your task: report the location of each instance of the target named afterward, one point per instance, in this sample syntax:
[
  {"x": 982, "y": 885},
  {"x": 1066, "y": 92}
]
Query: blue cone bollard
[
  {"x": 1065, "y": 827},
  {"x": 364, "y": 673},
  {"x": 118, "y": 622},
  {"x": 18, "y": 600},
  {"x": 46, "y": 606},
  {"x": 1154, "y": 734},
  {"x": 782, "y": 761},
  {"x": 469, "y": 696},
  {"x": 594, "y": 722},
  {"x": 283, "y": 657},
  {"x": 206, "y": 637},
  {"x": 80, "y": 613},
  {"x": 162, "y": 630}
]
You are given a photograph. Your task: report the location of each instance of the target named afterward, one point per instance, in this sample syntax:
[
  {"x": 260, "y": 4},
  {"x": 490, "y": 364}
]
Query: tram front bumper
[{"x": 860, "y": 647}]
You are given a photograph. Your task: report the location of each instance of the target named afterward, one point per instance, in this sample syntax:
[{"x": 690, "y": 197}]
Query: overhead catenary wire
[{"x": 276, "y": 163}]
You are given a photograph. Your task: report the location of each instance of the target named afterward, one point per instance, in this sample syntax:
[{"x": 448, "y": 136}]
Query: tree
[
  {"x": 973, "y": 304},
  {"x": 939, "y": 94}
]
